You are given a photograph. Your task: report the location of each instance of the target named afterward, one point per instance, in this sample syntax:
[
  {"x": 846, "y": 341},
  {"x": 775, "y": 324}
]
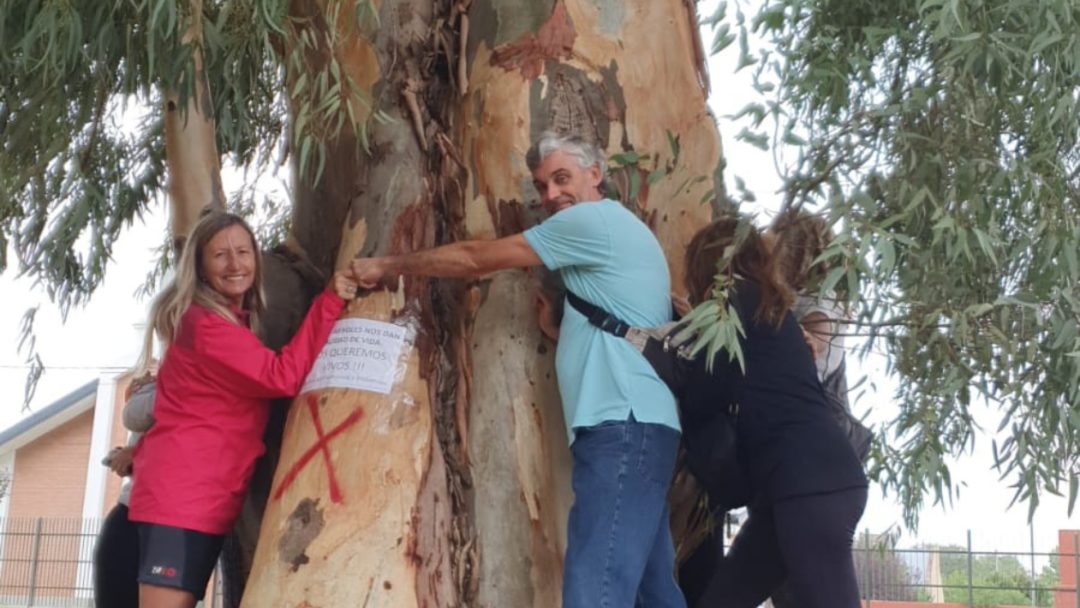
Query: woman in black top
[{"x": 807, "y": 488}]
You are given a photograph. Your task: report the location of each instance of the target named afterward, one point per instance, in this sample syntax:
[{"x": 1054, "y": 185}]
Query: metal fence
[
  {"x": 48, "y": 562},
  {"x": 965, "y": 575}
]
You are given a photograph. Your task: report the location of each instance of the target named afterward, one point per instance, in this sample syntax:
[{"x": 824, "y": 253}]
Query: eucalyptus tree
[
  {"x": 404, "y": 124},
  {"x": 941, "y": 137}
]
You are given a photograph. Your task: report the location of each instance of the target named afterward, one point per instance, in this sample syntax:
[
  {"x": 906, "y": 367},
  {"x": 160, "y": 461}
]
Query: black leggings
[
  {"x": 804, "y": 541},
  {"x": 116, "y": 562}
]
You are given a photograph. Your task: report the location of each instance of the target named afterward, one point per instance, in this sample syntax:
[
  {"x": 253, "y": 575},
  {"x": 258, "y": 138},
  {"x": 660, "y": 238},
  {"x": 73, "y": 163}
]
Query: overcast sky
[{"x": 102, "y": 336}]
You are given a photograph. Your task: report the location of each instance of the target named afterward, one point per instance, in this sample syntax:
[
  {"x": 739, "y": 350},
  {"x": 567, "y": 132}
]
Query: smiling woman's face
[{"x": 228, "y": 263}]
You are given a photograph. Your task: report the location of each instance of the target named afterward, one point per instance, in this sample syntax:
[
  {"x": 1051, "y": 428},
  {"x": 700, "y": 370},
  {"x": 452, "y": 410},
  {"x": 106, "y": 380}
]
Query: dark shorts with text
[{"x": 177, "y": 558}]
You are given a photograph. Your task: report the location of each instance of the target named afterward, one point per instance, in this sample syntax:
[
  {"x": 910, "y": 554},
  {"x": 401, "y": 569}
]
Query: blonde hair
[{"x": 189, "y": 287}]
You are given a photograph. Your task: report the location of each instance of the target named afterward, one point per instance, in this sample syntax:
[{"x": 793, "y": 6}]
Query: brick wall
[
  {"x": 888, "y": 604},
  {"x": 49, "y": 483},
  {"x": 1068, "y": 594},
  {"x": 50, "y": 472}
]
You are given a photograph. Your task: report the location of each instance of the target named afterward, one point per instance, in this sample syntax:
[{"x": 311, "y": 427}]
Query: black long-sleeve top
[{"x": 788, "y": 442}]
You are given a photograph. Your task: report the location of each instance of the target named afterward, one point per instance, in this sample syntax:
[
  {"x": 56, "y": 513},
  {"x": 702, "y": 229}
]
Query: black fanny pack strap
[{"x": 598, "y": 316}]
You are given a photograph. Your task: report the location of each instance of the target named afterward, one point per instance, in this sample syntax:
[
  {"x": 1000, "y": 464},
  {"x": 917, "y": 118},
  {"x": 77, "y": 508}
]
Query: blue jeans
[{"x": 619, "y": 552}]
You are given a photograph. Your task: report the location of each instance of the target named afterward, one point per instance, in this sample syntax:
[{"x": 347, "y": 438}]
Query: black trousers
[
  {"x": 116, "y": 562},
  {"x": 804, "y": 541}
]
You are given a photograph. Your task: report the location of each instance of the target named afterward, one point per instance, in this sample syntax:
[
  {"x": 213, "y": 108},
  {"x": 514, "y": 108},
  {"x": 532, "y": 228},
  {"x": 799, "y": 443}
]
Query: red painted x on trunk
[{"x": 321, "y": 445}]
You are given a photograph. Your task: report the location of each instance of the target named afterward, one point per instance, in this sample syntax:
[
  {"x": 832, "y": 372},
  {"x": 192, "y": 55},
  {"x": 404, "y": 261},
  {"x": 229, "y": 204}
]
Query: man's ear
[{"x": 595, "y": 176}]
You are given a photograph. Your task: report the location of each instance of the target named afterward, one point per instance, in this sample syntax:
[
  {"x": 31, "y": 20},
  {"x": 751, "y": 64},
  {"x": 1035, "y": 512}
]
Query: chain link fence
[{"x": 49, "y": 563}]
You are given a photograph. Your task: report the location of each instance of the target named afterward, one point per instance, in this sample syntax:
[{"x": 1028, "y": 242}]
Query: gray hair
[{"x": 575, "y": 146}]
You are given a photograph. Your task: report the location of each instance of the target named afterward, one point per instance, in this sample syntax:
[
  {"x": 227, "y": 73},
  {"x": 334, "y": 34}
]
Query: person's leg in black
[
  {"x": 232, "y": 570},
  {"x": 815, "y": 534},
  {"x": 782, "y": 597},
  {"x": 699, "y": 567},
  {"x": 116, "y": 561},
  {"x": 751, "y": 570}
]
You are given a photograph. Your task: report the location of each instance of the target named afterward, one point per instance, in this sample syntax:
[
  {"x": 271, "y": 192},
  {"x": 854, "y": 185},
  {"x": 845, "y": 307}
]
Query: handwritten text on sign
[{"x": 360, "y": 354}]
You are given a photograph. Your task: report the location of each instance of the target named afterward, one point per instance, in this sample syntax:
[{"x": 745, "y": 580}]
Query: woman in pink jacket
[{"x": 213, "y": 392}]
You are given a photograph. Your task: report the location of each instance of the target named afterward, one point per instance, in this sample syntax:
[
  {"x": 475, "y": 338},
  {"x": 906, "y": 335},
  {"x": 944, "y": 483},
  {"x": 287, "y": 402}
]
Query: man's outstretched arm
[{"x": 462, "y": 259}]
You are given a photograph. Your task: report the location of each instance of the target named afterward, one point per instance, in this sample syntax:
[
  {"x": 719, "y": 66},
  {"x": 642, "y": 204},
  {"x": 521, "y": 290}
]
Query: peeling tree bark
[
  {"x": 454, "y": 489},
  {"x": 593, "y": 68},
  {"x": 395, "y": 487}
]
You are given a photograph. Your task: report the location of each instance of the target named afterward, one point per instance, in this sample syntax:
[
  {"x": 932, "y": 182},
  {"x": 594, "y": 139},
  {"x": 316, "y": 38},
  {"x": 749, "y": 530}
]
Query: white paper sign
[{"x": 360, "y": 354}]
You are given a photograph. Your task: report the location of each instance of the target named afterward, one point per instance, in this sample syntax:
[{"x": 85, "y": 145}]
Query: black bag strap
[{"x": 598, "y": 316}]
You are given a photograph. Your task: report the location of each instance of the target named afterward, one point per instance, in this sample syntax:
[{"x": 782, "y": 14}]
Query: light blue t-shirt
[{"x": 609, "y": 257}]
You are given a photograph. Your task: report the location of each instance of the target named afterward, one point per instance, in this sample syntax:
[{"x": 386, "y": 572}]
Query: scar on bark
[
  {"x": 553, "y": 40},
  {"x": 303, "y": 526}
]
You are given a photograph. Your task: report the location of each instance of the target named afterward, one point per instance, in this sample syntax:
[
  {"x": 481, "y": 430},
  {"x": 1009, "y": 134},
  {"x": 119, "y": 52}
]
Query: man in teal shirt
[{"x": 621, "y": 419}]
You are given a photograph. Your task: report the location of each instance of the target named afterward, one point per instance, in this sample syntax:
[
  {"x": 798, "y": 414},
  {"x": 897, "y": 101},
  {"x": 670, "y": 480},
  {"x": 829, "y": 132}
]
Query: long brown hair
[
  {"x": 188, "y": 287},
  {"x": 708, "y": 256},
  {"x": 799, "y": 237}
]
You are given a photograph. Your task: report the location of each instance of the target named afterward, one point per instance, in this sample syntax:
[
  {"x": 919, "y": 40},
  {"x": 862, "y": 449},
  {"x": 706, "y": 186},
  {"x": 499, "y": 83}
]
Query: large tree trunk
[
  {"x": 381, "y": 203},
  {"x": 453, "y": 490}
]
